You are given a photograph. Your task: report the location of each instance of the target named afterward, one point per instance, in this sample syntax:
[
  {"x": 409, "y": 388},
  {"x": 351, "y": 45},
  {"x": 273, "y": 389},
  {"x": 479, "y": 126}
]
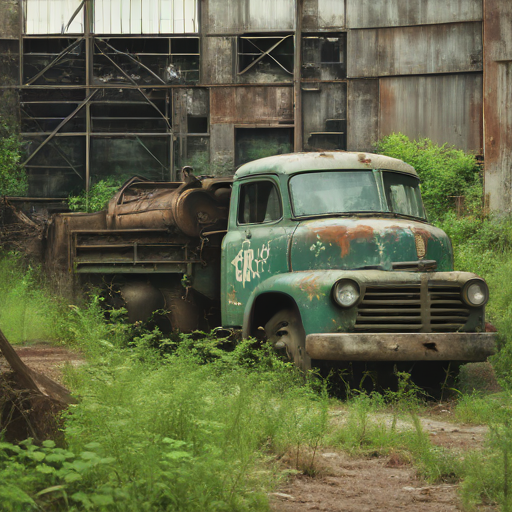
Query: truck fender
[{"x": 303, "y": 290}]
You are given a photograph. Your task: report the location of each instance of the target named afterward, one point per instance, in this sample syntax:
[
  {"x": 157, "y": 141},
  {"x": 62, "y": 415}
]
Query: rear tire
[{"x": 285, "y": 331}]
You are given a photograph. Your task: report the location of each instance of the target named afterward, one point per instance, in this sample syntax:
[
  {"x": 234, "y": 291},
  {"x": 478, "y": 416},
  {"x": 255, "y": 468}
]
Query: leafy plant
[
  {"x": 445, "y": 171},
  {"x": 97, "y": 198},
  {"x": 13, "y": 178}
]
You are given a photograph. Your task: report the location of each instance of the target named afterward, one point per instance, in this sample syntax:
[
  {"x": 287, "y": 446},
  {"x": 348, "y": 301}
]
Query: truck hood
[{"x": 379, "y": 243}]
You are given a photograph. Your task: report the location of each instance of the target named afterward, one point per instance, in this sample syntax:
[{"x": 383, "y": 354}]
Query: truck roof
[{"x": 325, "y": 160}]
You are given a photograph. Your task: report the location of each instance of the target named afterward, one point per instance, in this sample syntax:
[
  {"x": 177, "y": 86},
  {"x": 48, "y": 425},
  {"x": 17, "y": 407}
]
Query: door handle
[{"x": 248, "y": 234}]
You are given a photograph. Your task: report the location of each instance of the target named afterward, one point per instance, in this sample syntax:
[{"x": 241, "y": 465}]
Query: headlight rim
[
  {"x": 485, "y": 289},
  {"x": 339, "y": 283}
]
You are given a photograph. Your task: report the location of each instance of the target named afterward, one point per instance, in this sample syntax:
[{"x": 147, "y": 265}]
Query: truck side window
[{"x": 259, "y": 202}]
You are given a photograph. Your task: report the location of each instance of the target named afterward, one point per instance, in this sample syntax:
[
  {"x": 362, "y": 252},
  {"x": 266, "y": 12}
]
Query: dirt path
[
  {"x": 348, "y": 484},
  {"x": 378, "y": 484},
  {"x": 46, "y": 359}
]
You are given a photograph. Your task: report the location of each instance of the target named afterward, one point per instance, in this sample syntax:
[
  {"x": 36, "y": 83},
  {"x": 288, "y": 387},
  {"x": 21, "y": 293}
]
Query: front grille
[
  {"x": 448, "y": 313},
  {"x": 396, "y": 309},
  {"x": 399, "y": 309}
]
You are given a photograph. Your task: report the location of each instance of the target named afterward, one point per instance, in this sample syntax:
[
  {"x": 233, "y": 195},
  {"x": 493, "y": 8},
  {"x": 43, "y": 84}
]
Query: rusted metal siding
[
  {"x": 218, "y": 60},
  {"x": 498, "y": 104},
  {"x": 238, "y": 16},
  {"x": 9, "y": 19},
  {"x": 400, "y": 13},
  {"x": 321, "y": 15},
  {"x": 415, "y": 50},
  {"x": 363, "y": 114},
  {"x": 222, "y": 149},
  {"x": 444, "y": 108},
  {"x": 324, "y": 115},
  {"x": 251, "y": 105}
]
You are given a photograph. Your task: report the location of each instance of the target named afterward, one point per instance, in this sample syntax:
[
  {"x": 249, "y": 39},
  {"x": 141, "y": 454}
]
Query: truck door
[{"x": 256, "y": 245}]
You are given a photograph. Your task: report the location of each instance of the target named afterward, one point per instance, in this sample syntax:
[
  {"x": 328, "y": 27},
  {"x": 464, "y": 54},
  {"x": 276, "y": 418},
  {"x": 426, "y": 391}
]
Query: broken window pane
[
  {"x": 56, "y": 61},
  {"x": 58, "y": 168},
  {"x": 124, "y": 157},
  {"x": 146, "y": 16},
  {"x": 195, "y": 152},
  {"x": 254, "y": 143},
  {"x": 53, "y": 16},
  {"x": 132, "y": 117},
  {"x": 154, "y": 61},
  {"x": 265, "y": 59},
  {"x": 42, "y": 110},
  {"x": 323, "y": 57}
]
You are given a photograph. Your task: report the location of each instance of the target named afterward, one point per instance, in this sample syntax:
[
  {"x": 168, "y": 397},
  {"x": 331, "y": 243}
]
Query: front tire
[{"x": 285, "y": 331}]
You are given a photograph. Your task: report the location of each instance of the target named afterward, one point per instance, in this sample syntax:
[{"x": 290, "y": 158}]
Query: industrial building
[{"x": 122, "y": 87}]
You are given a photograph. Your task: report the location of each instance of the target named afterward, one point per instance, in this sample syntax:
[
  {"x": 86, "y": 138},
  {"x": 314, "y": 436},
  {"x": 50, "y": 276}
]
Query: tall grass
[{"x": 29, "y": 311}]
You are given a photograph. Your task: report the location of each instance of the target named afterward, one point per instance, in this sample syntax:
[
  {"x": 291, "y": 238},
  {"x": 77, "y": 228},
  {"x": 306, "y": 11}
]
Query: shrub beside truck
[{"x": 330, "y": 253}]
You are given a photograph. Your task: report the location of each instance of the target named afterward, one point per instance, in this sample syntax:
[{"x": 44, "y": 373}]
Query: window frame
[{"x": 253, "y": 180}]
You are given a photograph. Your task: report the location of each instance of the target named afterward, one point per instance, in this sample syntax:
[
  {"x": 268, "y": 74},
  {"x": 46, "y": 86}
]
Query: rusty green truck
[{"x": 329, "y": 253}]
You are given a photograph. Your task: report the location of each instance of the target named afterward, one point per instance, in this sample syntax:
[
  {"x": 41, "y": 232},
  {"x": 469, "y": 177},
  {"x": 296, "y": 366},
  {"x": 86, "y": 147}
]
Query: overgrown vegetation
[
  {"x": 196, "y": 423},
  {"x": 445, "y": 173},
  {"x": 97, "y": 198},
  {"x": 13, "y": 178},
  {"x": 482, "y": 244},
  {"x": 29, "y": 311}
]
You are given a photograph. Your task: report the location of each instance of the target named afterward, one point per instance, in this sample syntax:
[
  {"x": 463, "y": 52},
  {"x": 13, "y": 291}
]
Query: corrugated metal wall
[
  {"x": 498, "y": 104},
  {"x": 402, "y": 13},
  {"x": 369, "y": 67},
  {"x": 445, "y": 108},
  {"x": 448, "y": 48}
]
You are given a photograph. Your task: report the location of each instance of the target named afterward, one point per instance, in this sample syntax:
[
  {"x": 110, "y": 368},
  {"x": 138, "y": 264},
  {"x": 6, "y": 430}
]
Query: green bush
[
  {"x": 445, "y": 171},
  {"x": 13, "y": 178},
  {"x": 97, "y": 198}
]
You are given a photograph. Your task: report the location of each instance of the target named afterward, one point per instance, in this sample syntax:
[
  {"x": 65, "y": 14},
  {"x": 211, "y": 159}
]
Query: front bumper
[{"x": 457, "y": 346}]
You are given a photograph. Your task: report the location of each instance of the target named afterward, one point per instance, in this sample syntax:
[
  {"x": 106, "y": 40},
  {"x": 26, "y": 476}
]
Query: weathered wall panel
[
  {"x": 444, "y": 108},
  {"x": 318, "y": 15},
  {"x": 9, "y": 19},
  {"x": 363, "y": 115},
  {"x": 414, "y": 50},
  {"x": 251, "y": 105},
  {"x": 218, "y": 60},
  {"x": 222, "y": 149},
  {"x": 324, "y": 116},
  {"x": 269, "y": 15},
  {"x": 399, "y": 13},
  {"x": 238, "y": 16},
  {"x": 498, "y": 105}
]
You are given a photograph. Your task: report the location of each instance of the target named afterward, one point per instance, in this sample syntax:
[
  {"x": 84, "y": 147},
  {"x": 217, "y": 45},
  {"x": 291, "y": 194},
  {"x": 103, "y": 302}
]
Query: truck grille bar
[{"x": 405, "y": 308}]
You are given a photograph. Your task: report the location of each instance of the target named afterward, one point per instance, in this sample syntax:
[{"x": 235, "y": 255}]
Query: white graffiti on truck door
[{"x": 248, "y": 265}]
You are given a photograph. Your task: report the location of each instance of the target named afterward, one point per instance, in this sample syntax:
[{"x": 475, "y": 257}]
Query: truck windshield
[{"x": 332, "y": 192}]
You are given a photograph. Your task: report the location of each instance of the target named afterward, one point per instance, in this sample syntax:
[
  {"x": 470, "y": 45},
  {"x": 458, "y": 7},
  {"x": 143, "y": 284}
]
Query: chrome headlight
[
  {"x": 346, "y": 293},
  {"x": 475, "y": 293}
]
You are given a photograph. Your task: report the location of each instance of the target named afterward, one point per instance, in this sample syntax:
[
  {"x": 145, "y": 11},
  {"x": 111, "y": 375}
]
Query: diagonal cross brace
[
  {"x": 64, "y": 52},
  {"x": 50, "y": 137},
  {"x": 136, "y": 85},
  {"x": 133, "y": 59},
  {"x": 266, "y": 53}
]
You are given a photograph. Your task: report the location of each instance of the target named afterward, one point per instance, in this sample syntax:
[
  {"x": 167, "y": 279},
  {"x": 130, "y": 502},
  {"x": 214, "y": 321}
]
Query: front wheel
[{"x": 285, "y": 331}]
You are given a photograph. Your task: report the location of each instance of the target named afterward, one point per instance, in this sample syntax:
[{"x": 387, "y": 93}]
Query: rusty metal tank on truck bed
[{"x": 149, "y": 237}]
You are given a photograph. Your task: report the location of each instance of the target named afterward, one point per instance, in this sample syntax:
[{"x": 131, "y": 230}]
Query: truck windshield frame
[{"x": 354, "y": 191}]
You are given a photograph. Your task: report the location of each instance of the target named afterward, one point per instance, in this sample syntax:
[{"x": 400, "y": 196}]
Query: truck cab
[{"x": 332, "y": 255}]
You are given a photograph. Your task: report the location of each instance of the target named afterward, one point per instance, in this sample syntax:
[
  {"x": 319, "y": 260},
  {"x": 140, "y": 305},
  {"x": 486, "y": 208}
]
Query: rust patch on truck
[
  {"x": 342, "y": 236},
  {"x": 362, "y": 159},
  {"x": 310, "y": 285}
]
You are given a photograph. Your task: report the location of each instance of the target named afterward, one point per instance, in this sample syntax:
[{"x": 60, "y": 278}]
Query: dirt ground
[
  {"x": 345, "y": 483},
  {"x": 379, "y": 484}
]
